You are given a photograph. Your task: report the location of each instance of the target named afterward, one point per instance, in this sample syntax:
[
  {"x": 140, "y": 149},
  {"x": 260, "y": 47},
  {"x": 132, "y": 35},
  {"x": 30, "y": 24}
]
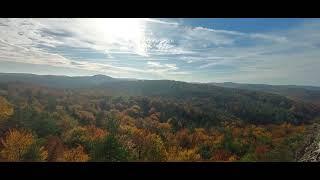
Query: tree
[
  {"x": 52, "y": 103},
  {"x": 101, "y": 119},
  {"x": 199, "y": 136},
  {"x": 134, "y": 111},
  {"x": 281, "y": 153},
  {"x": 108, "y": 149},
  {"x": 76, "y": 155},
  {"x": 138, "y": 139},
  {"x": 19, "y": 145},
  {"x": 183, "y": 138},
  {"x": 55, "y": 149},
  {"x": 76, "y": 136},
  {"x": 45, "y": 125},
  {"x": 175, "y": 123},
  {"x": 164, "y": 130},
  {"x": 112, "y": 123},
  {"x": 150, "y": 124},
  {"x": 153, "y": 149},
  {"x": 64, "y": 120},
  {"x": 35, "y": 152},
  {"x": 286, "y": 149},
  {"x": 249, "y": 157},
  {"x": 42, "y": 123},
  {"x": 222, "y": 155},
  {"x": 6, "y": 109},
  {"x": 261, "y": 151},
  {"x": 205, "y": 151},
  {"x": 178, "y": 154},
  {"x": 83, "y": 136},
  {"x": 143, "y": 145},
  {"x": 86, "y": 117},
  {"x": 95, "y": 133}
]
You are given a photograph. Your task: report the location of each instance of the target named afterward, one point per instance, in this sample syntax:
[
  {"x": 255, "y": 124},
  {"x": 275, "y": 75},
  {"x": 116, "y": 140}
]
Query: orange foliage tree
[{"x": 76, "y": 155}]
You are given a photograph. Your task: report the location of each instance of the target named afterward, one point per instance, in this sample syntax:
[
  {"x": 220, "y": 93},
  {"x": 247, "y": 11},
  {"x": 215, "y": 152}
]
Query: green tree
[
  {"x": 112, "y": 123},
  {"x": 108, "y": 149},
  {"x": 35, "y": 152},
  {"x": 205, "y": 151}
]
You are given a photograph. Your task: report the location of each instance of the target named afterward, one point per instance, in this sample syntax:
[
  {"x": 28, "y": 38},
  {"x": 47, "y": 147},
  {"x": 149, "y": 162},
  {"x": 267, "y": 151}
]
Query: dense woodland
[
  {"x": 122, "y": 120},
  {"x": 301, "y": 93}
]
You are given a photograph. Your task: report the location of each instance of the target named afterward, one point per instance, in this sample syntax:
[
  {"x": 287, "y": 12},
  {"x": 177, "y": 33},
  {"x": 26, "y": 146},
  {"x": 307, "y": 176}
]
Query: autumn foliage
[
  {"x": 76, "y": 155},
  {"x": 6, "y": 109},
  {"x": 16, "y": 145},
  {"x": 79, "y": 126}
]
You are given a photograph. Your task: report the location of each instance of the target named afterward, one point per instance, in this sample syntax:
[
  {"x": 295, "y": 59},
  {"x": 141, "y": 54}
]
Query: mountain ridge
[
  {"x": 222, "y": 102},
  {"x": 303, "y": 93}
]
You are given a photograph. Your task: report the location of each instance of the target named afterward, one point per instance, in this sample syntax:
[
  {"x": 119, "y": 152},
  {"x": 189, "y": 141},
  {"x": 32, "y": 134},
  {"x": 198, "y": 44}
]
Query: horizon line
[{"x": 192, "y": 82}]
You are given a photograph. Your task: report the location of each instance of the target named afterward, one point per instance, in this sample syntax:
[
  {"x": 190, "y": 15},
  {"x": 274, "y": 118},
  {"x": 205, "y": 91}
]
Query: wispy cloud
[
  {"x": 163, "y": 48},
  {"x": 269, "y": 37},
  {"x": 157, "y": 66},
  {"x": 161, "y": 22}
]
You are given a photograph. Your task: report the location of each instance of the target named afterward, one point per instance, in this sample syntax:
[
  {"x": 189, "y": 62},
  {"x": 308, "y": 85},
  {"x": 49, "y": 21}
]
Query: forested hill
[
  {"x": 304, "y": 93},
  {"x": 56, "y": 81},
  {"x": 196, "y": 104},
  {"x": 100, "y": 118}
]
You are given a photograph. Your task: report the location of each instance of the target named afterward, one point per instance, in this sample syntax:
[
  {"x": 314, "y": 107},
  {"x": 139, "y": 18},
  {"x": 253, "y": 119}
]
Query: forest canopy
[{"x": 148, "y": 121}]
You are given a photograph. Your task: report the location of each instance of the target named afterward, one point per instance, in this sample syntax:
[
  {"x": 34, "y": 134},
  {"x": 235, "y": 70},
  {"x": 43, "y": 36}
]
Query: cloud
[
  {"x": 165, "y": 70},
  {"x": 161, "y": 22},
  {"x": 157, "y": 66},
  {"x": 248, "y": 35},
  {"x": 23, "y": 40},
  {"x": 154, "y": 64},
  {"x": 161, "y": 48}
]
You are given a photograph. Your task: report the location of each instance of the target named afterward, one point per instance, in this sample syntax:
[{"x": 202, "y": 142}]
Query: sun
[
  {"x": 128, "y": 33},
  {"x": 125, "y": 28}
]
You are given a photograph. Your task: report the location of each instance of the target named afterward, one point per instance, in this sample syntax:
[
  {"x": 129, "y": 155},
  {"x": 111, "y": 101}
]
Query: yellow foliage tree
[
  {"x": 6, "y": 109},
  {"x": 199, "y": 137},
  {"x": 81, "y": 135},
  {"x": 178, "y": 154},
  {"x": 15, "y": 144},
  {"x": 76, "y": 155},
  {"x": 233, "y": 158},
  {"x": 154, "y": 149}
]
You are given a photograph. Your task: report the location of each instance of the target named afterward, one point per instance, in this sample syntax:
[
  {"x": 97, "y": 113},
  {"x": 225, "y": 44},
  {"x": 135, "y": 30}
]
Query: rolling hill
[
  {"x": 176, "y": 120},
  {"x": 304, "y": 93},
  {"x": 209, "y": 103}
]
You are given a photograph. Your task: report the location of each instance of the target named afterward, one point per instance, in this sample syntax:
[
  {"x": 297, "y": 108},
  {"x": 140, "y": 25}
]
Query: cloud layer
[{"x": 164, "y": 49}]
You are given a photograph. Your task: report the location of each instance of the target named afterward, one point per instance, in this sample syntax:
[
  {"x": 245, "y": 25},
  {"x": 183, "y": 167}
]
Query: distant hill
[
  {"x": 304, "y": 93},
  {"x": 210, "y": 101},
  {"x": 56, "y": 81}
]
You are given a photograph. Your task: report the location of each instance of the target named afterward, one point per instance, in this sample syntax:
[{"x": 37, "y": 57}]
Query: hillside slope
[
  {"x": 302, "y": 93},
  {"x": 212, "y": 103}
]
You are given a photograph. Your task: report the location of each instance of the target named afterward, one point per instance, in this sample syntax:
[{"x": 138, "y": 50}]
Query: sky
[{"x": 253, "y": 50}]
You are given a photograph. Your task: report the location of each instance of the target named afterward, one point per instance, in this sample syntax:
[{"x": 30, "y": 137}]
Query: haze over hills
[
  {"x": 263, "y": 86},
  {"x": 55, "y": 81},
  {"x": 304, "y": 93},
  {"x": 99, "y": 79},
  {"x": 259, "y": 103}
]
